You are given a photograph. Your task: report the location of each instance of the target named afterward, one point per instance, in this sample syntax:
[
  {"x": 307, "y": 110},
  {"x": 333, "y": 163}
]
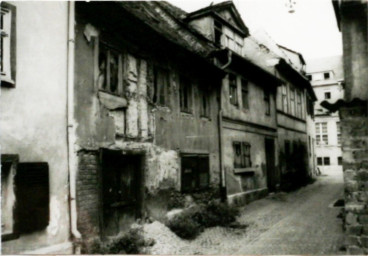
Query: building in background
[
  {"x": 248, "y": 107},
  {"x": 326, "y": 76},
  {"x": 352, "y": 19}
]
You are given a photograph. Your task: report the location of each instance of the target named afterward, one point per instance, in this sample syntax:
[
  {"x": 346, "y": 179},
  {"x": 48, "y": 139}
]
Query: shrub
[
  {"x": 192, "y": 221},
  {"x": 184, "y": 225},
  {"x": 131, "y": 242}
]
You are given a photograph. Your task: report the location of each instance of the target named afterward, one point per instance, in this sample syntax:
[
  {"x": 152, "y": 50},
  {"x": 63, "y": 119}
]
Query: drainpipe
[
  {"x": 72, "y": 160},
  {"x": 223, "y": 188}
]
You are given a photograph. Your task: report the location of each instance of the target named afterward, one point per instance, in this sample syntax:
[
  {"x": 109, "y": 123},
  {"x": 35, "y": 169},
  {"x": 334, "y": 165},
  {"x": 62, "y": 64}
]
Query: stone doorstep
[{"x": 63, "y": 248}]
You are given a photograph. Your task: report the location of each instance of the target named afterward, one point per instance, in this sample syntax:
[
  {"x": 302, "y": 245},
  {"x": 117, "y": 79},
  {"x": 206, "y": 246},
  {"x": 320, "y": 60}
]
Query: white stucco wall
[{"x": 33, "y": 119}]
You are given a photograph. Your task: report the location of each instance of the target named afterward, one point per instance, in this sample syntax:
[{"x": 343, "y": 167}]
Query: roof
[
  {"x": 334, "y": 63},
  {"x": 292, "y": 51},
  {"x": 214, "y": 9},
  {"x": 167, "y": 21}
]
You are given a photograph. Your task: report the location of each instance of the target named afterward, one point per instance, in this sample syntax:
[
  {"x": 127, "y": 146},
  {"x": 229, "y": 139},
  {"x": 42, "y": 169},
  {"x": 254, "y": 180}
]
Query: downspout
[
  {"x": 72, "y": 160},
  {"x": 223, "y": 192}
]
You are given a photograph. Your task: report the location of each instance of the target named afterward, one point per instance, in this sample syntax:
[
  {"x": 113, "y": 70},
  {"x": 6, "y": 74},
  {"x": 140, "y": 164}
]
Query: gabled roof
[
  {"x": 294, "y": 52},
  {"x": 216, "y": 9}
]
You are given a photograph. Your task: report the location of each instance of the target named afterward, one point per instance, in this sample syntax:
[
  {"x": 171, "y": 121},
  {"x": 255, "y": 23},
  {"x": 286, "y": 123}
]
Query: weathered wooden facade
[{"x": 146, "y": 114}]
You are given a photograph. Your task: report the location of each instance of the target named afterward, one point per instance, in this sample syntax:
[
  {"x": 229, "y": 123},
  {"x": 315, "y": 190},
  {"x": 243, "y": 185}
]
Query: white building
[{"x": 326, "y": 76}]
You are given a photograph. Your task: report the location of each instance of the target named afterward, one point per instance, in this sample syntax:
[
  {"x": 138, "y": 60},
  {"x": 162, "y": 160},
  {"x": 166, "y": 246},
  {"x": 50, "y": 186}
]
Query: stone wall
[{"x": 354, "y": 127}]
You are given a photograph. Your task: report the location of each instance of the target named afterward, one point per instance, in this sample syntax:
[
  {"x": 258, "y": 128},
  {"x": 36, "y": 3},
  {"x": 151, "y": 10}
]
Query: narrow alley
[{"x": 301, "y": 222}]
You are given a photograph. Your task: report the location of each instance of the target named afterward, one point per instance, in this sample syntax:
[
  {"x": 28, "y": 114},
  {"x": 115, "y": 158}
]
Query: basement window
[
  {"x": 8, "y": 44},
  {"x": 194, "y": 173}
]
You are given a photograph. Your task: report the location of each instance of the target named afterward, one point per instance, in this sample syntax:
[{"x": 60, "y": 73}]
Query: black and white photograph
[{"x": 184, "y": 127}]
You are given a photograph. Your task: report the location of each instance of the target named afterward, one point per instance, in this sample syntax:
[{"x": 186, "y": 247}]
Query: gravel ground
[{"x": 300, "y": 222}]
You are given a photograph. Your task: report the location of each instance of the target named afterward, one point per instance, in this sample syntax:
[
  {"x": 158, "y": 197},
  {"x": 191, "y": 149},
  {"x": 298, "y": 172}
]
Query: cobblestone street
[{"x": 301, "y": 222}]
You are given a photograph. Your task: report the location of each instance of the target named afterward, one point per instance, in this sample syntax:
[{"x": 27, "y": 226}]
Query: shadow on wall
[{"x": 294, "y": 168}]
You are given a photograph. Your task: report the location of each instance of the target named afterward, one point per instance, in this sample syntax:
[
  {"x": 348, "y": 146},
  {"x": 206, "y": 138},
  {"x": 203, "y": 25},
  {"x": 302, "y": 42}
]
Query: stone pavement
[{"x": 301, "y": 222}]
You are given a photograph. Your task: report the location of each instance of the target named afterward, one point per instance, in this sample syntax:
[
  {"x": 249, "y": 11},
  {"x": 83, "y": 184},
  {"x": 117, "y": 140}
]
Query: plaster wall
[
  {"x": 256, "y": 113},
  {"x": 33, "y": 119}
]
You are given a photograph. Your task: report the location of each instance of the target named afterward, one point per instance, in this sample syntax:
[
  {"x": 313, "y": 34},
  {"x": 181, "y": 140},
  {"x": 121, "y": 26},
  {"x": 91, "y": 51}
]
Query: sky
[{"x": 310, "y": 30}]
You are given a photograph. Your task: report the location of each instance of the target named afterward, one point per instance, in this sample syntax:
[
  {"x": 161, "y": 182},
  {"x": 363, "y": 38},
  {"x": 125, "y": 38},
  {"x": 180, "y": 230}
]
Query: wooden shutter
[{"x": 32, "y": 193}]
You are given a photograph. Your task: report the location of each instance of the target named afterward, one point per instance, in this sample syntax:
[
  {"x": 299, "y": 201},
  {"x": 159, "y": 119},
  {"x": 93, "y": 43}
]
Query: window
[
  {"x": 309, "y": 77},
  {"x": 266, "y": 97},
  {"x": 233, "y": 90},
  {"x": 8, "y": 44},
  {"x": 326, "y": 75},
  {"x": 339, "y": 160},
  {"x": 310, "y": 107},
  {"x": 299, "y": 112},
  {"x": 194, "y": 173},
  {"x": 241, "y": 155},
  {"x": 205, "y": 104},
  {"x": 292, "y": 101},
  {"x": 161, "y": 84},
  {"x": 327, "y": 95},
  {"x": 338, "y": 131},
  {"x": 245, "y": 101},
  {"x": 185, "y": 94},
  {"x": 326, "y": 161},
  {"x": 284, "y": 98},
  {"x": 218, "y": 32},
  {"x": 319, "y": 161},
  {"x": 321, "y": 133},
  {"x": 110, "y": 67}
]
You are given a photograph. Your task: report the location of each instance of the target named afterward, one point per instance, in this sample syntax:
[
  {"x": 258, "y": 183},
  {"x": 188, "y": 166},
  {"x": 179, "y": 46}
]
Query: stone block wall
[
  {"x": 354, "y": 127},
  {"x": 88, "y": 197}
]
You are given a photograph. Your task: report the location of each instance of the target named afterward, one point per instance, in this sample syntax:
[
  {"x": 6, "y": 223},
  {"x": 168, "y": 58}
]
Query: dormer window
[{"x": 218, "y": 32}]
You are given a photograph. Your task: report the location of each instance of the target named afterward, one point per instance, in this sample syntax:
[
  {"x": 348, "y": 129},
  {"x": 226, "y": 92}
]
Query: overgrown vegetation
[
  {"x": 193, "y": 220},
  {"x": 131, "y": 242}
]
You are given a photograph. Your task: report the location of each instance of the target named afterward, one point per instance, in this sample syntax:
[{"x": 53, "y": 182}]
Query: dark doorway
[
  {"x": 121, "y": 191},
  {"x": 270, "y": 164}
]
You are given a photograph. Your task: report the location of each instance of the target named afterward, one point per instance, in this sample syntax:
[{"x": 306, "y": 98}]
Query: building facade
[
  {"x": 248, "y": 120},
  {"x": 326, "y": 76},
  {"x": 146, "y": 115},
  {"x": 34, "y": 150}
]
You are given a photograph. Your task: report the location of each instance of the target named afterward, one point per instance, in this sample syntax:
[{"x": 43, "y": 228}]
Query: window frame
[
  {"x": 205, "y": 108},
  {"x": 161, "y": 92},
  {"x": 242, "y": 150},
  {"x": 195, "y": 171},
  {"x": 284, "y": 98},
  {"x": 320, "y": 161},
  {"x": 185, "y": 94},
  {"x": 321, "y": 133},
  {"x": 245, "y": 93},
  {"x": 267, "y": 100},
  {"x": 326, "y": 161},
  {"x": 8, "y": 62},
  {"x": 233, "y": 89},
  {"x": 329, "y": 95},
  {"x": 106, "y": 85}
]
